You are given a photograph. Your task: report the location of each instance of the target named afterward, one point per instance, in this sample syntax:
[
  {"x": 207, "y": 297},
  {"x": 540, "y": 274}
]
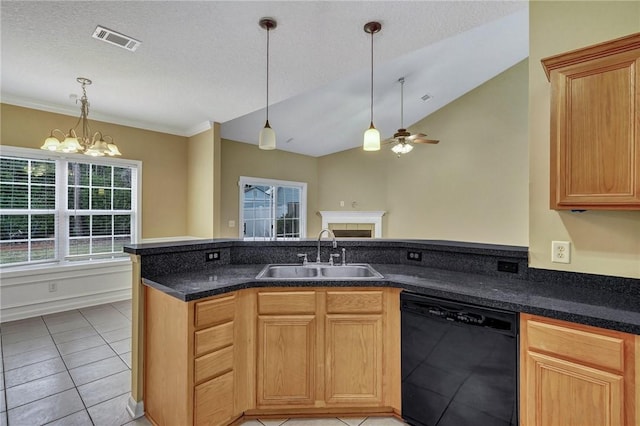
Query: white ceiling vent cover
[{"x": 116, "y": 38}]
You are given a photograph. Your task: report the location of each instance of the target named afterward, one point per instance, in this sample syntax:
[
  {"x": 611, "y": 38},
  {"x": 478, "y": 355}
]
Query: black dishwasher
[{"x": 459, "y": 363}]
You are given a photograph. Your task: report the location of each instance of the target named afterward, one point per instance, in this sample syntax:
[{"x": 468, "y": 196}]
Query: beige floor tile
[
  {"x": 35, "y": 371},
  {"x": 314, "y": 422},
  {"x": 71, "y": 335},
  {"x": 112, "y": 412},
  {"x": 88, "y": 356},
  {"x": 81, "y": 418},
  {"x": 28, "y": 358},
  {"x": 38, "y": 389},
  {"x": 272, "y": 422},
  {"x": 97, "y": 370},
  {"x": 47, "y": 409},
  {"x": 352, "y": 421},
  {"x": 382, "y": 421},
  {"x": 106, "y": 388}
]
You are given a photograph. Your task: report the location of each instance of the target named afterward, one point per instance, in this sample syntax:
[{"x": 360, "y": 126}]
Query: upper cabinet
[{"x": 595, "y": 126}]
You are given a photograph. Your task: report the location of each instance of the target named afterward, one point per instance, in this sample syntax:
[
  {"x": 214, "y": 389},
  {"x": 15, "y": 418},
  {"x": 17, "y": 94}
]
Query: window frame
[
  {"x": 62, "y": 211},
  {"x": 247, "y": 180}
]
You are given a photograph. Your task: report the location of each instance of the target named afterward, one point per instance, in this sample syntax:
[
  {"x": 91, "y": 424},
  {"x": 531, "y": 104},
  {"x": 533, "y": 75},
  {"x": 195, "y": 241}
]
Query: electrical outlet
[
  {"x": 561, "y": 251},
  {"x": 212, "y": 255},
  {"x": 414, "y": 255},
  {"x": 505, "y": 266},
  {"x": 53, "y": 287}
]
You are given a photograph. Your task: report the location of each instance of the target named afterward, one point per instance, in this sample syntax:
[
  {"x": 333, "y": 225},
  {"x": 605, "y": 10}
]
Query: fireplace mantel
[{"x": 373, "y": 217}]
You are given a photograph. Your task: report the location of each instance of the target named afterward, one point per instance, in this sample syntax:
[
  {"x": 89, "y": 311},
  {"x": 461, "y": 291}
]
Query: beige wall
[
  {"x": 602, "y": 242},
  {"x": 203, "y": 192},
  {"x": 470, "y": 187},
  {"x": 241, "y": 159},
  {"x": 164, "y": 162}
]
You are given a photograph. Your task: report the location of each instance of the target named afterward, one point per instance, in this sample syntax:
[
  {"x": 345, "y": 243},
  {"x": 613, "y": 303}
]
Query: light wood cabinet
[
  {"x": 595, "y": 126},
  {"x": 572, "y": 374},
  {"x": 326, "y": 348},
  {"x": 190, "y": 369}
]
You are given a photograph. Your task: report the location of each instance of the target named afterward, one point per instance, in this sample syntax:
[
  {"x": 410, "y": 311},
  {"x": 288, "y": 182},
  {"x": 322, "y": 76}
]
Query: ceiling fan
[{"x": 404, "y": 139}]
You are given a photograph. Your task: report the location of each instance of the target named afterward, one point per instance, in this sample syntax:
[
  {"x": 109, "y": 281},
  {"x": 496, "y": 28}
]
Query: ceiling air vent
[{"x": 116, "y": 38}]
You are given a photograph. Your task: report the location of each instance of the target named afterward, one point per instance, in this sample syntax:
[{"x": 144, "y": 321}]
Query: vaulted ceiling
[{"x": 204, "y": 61}]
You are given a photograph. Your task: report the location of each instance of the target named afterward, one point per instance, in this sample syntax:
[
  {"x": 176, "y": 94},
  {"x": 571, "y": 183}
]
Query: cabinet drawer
[
  {"x": 214, "y": 401},
  {"x": 215, "y": 311},
  {"x": 346, "y": 302},
  {"x": 287, "y": 302},
  {"x": 587, "y": 347},
  {"x": 213, "y": 364},
  {"x": 213, "y": 338}
]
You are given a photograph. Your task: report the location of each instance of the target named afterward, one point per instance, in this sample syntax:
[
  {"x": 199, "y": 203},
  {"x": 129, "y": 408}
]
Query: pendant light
[
  {"x": 372, "y": 135},
  {"x": 267, "y": 139}
]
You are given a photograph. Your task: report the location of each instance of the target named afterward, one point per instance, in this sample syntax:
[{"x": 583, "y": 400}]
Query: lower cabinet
[
  {"x": 325, "y": 348},
  {"x": 573, "y": 374},
  {"x": 278, "y": 351}
]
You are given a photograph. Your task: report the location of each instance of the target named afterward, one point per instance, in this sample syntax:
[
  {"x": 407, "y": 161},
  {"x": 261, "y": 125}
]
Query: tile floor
[{"x": 73, "y": 368}]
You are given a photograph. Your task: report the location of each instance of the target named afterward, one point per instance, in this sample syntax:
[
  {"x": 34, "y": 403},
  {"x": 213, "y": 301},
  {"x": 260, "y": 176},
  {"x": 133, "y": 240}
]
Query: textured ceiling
[{"x": 203, "y": 61}]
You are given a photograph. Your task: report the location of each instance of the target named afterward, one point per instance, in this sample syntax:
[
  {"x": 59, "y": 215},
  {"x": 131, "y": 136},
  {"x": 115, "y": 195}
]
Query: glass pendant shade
[
  {"x": 371, "y": 139},
  {"x": 402, "y": 148},
  {"x": 51, "y": 144},
  {"x": 113, "y": 149},
  {"x": 267, "y": 139},
  {"x": 70, "y": 144}
]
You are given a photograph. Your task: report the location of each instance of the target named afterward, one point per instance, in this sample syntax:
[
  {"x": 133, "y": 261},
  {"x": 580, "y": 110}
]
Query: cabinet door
[
  {"x": 574, "y": 375},
  {"x": 354, "y": 359},
  {"x": 595, "y": 102},
  {"x": 213, "y": 401},
  {"x": 286, "y": 360},
  {"x": 563, "y": 393}
]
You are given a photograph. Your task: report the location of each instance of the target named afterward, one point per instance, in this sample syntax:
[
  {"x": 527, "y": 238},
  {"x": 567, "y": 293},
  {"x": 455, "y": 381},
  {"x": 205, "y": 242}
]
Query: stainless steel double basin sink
[{"x": 352, "y": 271}]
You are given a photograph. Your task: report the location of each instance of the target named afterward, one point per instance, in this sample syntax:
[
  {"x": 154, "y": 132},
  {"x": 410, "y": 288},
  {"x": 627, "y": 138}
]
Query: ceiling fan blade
[{"x": 421, "y": 140}]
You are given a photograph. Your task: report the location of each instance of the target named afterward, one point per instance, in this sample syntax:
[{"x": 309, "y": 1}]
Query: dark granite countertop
[{"x": 607, "y": 307}]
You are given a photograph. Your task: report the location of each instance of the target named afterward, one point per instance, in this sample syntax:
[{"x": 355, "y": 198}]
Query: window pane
[
  {"x": 79, "y": 226},
  {"x": 78, "y": 174},
  {"x": 121, "y": 199},
  {"x": 79, "y": 246},
  {"x": 101, "y": 245},
  {"x": 43, "y": 197},
  {"x": 121, "y": 177},
  {"x": 43, "y": 226},
  {"x": 100, "y": 199},
  {"x": 43, "y": 250},
  {"x": 119, "y": 243},
  {"x": 78, "y": 198},
  {"x": 101, "y": 225},
  {"x": 14, "y": 227},
  {"x": 14, "y": 196},
  {"x": 12, "y": 252},
  {"x": 121, "y": 225},
  {"x": 14, "y": 170},
  {"x": 43, "y": 172},
  {"x": 100, "y": 175}
]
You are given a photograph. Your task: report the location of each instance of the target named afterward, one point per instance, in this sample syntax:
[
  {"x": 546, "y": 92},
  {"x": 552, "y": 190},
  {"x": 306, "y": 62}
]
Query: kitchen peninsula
[{"x": 213, "y": 332}]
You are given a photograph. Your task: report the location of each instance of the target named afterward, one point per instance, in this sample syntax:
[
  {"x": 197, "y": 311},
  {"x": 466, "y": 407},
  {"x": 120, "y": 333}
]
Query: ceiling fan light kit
[
  {"x": 93, "y": 145},
  {"x": 267, "y": 139},
  {"x": 403, "y": 138},
  {"x": 372, "y": 135}
]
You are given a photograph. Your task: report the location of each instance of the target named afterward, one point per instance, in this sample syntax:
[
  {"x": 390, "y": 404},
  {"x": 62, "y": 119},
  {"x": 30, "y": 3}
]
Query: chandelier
[{"x": 94, "y": 145}]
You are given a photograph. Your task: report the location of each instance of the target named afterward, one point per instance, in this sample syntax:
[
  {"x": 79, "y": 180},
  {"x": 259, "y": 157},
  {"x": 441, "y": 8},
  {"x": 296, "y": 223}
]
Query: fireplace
[{"x": 353, "y": 224}]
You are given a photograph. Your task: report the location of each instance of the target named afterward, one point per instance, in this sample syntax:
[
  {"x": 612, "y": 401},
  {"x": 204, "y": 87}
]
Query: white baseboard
[{"x": 135, "y": 408}]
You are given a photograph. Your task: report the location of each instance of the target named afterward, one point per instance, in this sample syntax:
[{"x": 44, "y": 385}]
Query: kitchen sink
[{"x": 353, "y": 271}]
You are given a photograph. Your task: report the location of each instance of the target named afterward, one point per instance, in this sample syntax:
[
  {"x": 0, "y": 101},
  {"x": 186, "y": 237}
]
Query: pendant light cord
[
  {"x": 267, "y": 75},
  {"x": 402, "y": 103},
  {"x": 372, "y": 78}
]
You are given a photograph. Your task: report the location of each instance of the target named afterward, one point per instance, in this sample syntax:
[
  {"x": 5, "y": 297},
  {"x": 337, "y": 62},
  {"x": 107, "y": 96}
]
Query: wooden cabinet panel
[
  {"x": 354, "y": 359},
  {"x": 213, "y": 338},
  {"x": 347, "y": 302},
  {"x": 589, "y": 348},
  {"x": 286, "y": 302},
  {"x": 213, "y": 401},
  {"x": 572, "y": 374},
  {"x": 286, "y": 360},
  {"x": 215, "y": 311},
  {"x": 213, "y": 364},
  {"x": 595, "y": 126},
  {"x": 571, "y": 394}
]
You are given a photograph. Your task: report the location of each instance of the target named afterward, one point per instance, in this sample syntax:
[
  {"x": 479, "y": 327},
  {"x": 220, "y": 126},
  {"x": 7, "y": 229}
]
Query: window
[
  {"x": 272, "y": 209},
  {"x": 63, "y": 207}
]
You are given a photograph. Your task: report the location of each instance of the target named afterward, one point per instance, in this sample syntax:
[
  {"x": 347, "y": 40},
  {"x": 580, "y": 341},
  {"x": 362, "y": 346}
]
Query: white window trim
[
  {"x": 247, "y": 180},
  {"x": 38, "y": 154}
]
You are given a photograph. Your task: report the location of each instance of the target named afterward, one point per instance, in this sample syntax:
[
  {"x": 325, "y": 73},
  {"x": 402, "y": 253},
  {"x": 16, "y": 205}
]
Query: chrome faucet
[{"x": 333, "y": 237}]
